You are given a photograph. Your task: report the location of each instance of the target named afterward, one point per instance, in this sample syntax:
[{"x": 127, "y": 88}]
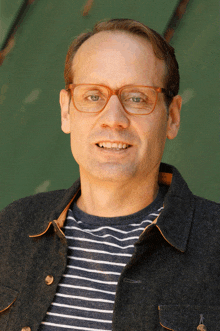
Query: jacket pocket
[
  {"x": 188, "y": 317},
  {"x": 7, "y": 298}
]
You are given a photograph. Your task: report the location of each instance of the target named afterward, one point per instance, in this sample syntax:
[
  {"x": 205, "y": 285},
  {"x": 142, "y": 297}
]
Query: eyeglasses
[{"x": 135, "y": 99}]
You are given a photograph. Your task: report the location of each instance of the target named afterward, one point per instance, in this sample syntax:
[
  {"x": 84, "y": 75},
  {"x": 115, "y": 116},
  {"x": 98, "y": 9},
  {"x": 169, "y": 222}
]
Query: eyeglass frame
[{"x": 112, "y": 92}]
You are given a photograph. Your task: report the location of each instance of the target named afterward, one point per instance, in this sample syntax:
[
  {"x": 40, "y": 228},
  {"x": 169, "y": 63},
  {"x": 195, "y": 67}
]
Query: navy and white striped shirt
[{"x": 99, "y": 248}]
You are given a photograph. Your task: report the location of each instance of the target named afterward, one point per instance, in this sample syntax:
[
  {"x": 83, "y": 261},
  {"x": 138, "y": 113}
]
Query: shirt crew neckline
[{"x": 80, "y": 215}]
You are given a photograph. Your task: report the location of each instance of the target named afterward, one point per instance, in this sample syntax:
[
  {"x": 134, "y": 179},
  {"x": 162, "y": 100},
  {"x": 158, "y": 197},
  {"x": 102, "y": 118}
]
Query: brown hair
[{"x": 162, "y": 50}]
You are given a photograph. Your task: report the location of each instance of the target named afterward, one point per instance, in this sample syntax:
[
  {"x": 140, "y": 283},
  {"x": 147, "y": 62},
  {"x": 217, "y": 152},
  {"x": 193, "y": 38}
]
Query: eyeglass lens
[{"x": 136, "y": 100}]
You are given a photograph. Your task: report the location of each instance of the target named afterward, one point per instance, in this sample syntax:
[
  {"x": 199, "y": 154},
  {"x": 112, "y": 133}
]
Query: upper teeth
[{"x": 112, "y": 145}]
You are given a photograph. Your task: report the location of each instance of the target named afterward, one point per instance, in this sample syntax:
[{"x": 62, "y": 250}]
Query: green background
[
  {"x": 35, "y": 155},
  {"x": 9, "y": 9}
]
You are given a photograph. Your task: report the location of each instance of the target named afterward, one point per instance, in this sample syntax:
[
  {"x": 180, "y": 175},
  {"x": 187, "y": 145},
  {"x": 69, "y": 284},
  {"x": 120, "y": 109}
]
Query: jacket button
[
  {"x": 26, "y": 328},
  {"x": 48, "y": 280},
  {"x": 201, "y": 327}
]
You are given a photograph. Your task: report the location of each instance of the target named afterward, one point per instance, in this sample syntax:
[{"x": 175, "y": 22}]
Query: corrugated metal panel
[
  {"x": 35, "y": 154},
  {"x": 196, "y": 150},
  {"x": 9, "y": 10}
]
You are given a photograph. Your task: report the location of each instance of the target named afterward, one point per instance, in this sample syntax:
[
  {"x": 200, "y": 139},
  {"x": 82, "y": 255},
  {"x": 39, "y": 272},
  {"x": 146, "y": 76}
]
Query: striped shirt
[{"x": 98, "y": 250}]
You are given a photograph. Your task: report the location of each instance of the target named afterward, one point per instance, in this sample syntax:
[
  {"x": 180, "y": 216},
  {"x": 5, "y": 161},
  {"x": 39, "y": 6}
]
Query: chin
[{"x": 114, "y": 174}]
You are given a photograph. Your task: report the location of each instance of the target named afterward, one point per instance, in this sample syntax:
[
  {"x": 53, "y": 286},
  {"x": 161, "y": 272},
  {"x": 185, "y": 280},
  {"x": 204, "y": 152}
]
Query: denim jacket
[{"x": 172, "y": 281}]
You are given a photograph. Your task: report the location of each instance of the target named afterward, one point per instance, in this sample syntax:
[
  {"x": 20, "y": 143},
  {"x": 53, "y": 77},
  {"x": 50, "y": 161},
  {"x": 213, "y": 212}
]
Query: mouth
[{"x": 117, "y": 146}]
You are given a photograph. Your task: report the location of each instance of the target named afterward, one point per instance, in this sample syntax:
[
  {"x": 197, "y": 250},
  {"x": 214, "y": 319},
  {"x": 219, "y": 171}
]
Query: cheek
[
  {"x": 153, "y": 133},
  {"x": 77, "y": 128},
  {"x": 79, "y": 137},
  {"x": 160, "y": 136},
  {"x": 75, "y": 140}
]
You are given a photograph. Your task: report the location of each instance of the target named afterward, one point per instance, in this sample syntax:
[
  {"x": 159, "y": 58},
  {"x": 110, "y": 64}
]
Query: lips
[{"x": 113, "y": 145}]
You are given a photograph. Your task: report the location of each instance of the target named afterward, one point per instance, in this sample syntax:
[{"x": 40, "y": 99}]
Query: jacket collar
[
  {"x": 174, "y": 222},
  {"x": 55, "y": 214},
  {"x": 175, "y": 219}
]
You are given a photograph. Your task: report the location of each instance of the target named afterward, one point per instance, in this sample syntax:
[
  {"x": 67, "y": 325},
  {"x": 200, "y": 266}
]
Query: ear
[
  {"x": 174, "y": 117},
  {"x": 65, "y": 114}
]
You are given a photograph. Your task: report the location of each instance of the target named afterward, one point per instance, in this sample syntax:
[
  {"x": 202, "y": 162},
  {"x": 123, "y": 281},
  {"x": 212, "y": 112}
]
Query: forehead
[{"x": 111, "y": 56}]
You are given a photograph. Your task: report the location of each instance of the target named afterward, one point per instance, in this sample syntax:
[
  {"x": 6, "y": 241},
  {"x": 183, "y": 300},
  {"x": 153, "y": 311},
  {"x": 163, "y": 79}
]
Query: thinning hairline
[{"x": 130, "y": 33}]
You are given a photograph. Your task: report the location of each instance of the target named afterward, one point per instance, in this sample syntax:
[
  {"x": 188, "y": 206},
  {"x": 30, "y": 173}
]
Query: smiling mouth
[{"x": 113, "y": 146}]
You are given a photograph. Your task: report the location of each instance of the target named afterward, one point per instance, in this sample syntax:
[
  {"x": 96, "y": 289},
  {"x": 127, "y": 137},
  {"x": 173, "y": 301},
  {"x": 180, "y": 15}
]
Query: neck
[{"x": 112, "y": 199}]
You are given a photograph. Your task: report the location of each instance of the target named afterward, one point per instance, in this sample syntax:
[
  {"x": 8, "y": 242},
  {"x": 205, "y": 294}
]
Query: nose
[{"x": 114, "y": 115}]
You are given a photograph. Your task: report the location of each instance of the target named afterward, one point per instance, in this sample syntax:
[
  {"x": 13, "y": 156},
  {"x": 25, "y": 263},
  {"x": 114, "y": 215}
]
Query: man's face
[{"x": 115, "y": 60}]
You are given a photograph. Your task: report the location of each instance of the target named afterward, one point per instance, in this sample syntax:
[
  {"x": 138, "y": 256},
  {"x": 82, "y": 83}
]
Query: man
[{"x": 128, "y": 247}]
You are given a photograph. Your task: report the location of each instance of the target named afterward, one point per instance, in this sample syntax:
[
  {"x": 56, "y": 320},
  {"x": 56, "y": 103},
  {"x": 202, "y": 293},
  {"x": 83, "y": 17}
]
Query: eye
[
  {"x": 136, "y": 99},
  {"x": 93, "y": 97}
]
